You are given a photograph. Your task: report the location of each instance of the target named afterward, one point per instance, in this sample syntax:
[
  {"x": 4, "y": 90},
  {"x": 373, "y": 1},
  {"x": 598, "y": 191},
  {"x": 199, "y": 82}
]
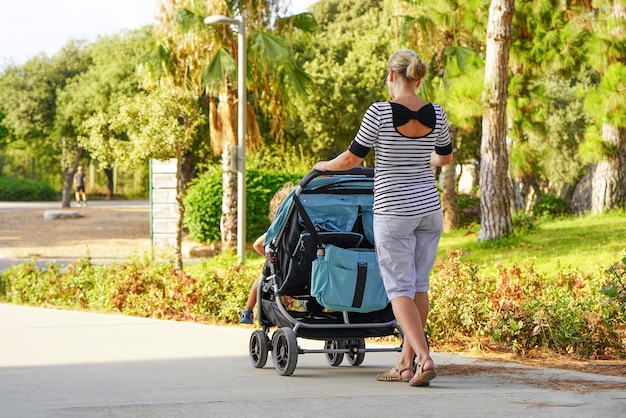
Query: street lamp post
[{"x": 240, "y": 150}]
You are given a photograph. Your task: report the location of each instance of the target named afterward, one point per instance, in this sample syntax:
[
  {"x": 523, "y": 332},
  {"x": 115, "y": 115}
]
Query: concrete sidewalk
[{"x": 57, "y": 363}]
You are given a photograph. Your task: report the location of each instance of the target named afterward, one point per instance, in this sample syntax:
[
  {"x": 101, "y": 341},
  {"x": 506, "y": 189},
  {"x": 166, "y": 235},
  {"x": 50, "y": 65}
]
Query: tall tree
[
  {"x": 273, "y": 77},
  {"x": 608, "y": 106},
  {"x": 202, "y": 59},
  {"x": 28, "y": 96},
  {"x": 99, "y": 90},
  {"x": 28, "y": 101},
  {"x": 73, "y": 61},
  {"x": 161, "y": 124},
  {"x": 496, "y": 194}
]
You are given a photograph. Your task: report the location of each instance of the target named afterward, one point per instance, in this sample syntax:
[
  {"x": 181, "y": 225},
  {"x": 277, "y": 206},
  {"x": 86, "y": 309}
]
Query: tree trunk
[
  {"x": 187, "y": 170},
  {"x": 108, "y": 172},
  {"x": 449, "y": 197},
  {"x": 608, "y": 184},
  {"x": 180, "y": 206},
  {"x": 496, "y": 192},
  {"x": 68, "y": 180},
  {"x": 228, "y": 222},
  {"x": 68, "y": 175}
]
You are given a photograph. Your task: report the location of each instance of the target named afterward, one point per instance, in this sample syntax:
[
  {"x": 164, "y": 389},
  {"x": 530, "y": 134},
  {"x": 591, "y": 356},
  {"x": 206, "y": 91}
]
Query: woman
[{"x": 408, "y": 135}]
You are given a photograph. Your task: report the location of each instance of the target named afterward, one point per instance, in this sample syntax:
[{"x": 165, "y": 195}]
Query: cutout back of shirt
[{"x": 413, "y": 123}]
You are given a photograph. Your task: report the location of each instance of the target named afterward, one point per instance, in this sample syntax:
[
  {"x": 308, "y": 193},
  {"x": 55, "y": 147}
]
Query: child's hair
[{"x": 278, "y": 198}]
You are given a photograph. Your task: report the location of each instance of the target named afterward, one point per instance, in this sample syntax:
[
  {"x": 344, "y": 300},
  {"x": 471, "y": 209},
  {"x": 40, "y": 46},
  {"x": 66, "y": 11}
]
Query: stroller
[{"x": 321, "y": 279}]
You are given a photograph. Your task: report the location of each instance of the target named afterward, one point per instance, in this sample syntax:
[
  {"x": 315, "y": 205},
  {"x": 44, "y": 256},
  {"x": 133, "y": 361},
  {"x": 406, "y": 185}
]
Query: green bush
[
  {"x": 223, "y": 292},
  {"x": 203, "y": 207},
  {"x": 523, "y": 310},
  {"x": 140, "y": 286},
  {"x": 565, "y": 314},
  {"x": 203, "y": 203},
  {"x": 522, "y": 222},
  {"x": 549, "y": 206},
  {"x": 25, "y": 190},
  {"x": 459, "y": 299},
  {"x": 27, "y": 284}
]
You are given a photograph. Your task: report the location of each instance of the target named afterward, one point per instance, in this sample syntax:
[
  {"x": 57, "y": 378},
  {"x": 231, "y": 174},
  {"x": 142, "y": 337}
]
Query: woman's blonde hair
[
  {"x": 408, "y": 64},
  {"x": 278, "y": 198}
]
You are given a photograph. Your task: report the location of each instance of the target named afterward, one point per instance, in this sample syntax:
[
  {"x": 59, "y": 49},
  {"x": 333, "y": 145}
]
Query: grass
[{"x": 587, "y": 243}]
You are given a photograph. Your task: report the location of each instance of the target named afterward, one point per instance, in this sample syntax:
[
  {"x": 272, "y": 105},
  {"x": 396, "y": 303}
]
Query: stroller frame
[{"x": 289, "y": 274}]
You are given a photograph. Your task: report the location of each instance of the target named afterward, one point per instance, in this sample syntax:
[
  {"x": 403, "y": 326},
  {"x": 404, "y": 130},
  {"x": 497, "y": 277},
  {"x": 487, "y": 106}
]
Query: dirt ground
[
  {"x": 121, "y": 232},
  {"x": 102, "y": 232}
]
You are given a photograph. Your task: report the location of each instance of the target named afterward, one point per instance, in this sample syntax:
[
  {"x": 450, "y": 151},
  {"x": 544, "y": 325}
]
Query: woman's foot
[
  {"x": 396, "y": 374},
  {"x": 424, "y": 374}
]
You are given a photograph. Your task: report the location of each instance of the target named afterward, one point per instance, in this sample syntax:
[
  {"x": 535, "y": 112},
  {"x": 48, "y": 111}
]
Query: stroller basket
[{"x": 322, "y": 280}]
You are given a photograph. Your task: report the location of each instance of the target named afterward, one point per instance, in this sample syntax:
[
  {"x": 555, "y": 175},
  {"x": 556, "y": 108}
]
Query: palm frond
[
  {"x": 299, "y": 79},
  {"x": 222, "y": 66},
  {"x": 303, "y": 21},
  {"x": 157, "y": 60},
  {"x": 461, "y": 54},
  {"x": 187, "y": 20},
  {"x": 270, "y": 47}
]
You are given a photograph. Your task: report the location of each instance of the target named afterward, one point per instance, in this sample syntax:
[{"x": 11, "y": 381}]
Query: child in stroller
[{"x": 247, "y": 315}]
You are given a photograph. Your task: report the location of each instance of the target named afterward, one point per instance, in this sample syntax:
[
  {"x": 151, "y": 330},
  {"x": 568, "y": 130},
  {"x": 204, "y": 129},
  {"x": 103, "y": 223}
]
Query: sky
[{"x": 30, "y": 27}]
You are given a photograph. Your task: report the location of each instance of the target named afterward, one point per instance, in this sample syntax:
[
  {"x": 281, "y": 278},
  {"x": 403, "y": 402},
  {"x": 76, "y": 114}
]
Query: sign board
[{"x": 163, "y": 211}]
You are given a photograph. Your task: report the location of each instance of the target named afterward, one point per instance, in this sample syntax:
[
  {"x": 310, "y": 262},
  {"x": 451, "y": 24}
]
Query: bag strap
[
  {"x": 307, "y": 220},
  {"x": 361, "y": 278}
]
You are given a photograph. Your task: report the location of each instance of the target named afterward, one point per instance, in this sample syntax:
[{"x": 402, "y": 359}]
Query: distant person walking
[{"x": 79, "y": 187}]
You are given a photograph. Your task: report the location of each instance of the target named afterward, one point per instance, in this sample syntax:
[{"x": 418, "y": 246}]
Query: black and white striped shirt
[{"x": 404, "y": 182}]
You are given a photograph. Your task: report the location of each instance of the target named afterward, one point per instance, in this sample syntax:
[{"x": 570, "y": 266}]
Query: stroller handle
[{"x": 356, "y": 171}]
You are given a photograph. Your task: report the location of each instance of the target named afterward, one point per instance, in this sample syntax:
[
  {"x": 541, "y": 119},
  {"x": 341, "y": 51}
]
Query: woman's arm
[
  {"x": 437, "y": 160},
  {"x": 344, "y": 161}
]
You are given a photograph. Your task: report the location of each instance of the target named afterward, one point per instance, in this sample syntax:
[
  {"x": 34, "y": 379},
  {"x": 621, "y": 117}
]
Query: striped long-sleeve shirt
[{"x": 404, "y": 182}]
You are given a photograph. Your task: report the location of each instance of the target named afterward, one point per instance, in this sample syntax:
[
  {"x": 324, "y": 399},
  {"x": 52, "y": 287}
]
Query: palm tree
[{"x": 202, "y": 59}]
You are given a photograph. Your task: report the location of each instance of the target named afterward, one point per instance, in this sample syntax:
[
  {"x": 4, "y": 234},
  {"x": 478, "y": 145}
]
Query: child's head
[{"x": 278, "y": 198}]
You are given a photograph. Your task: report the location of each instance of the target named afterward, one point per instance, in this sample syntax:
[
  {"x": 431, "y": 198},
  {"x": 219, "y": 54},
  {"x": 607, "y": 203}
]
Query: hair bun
[{"x": 407, "y": 63}]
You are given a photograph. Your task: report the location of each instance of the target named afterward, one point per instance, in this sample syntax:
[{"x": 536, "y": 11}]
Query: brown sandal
[
  {"x": 423, "y": 377},
  {"x": 387, "y": 377}
]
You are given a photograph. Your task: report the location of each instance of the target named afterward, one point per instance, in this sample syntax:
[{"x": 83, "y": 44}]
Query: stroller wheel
[
  {"x": 333, "y": 358},
  {"x": 285, "y": 351},
  {"x": 355, "y": 358},
  {"x": 259, "y": 348}
]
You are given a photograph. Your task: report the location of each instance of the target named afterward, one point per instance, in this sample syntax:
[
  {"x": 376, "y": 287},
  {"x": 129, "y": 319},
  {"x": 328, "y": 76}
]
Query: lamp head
[{"x": 217, "y": 19}]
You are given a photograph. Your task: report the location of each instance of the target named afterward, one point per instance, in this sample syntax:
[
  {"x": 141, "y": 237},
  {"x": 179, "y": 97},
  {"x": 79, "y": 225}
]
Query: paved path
[{"x": 57, "y": 363}]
